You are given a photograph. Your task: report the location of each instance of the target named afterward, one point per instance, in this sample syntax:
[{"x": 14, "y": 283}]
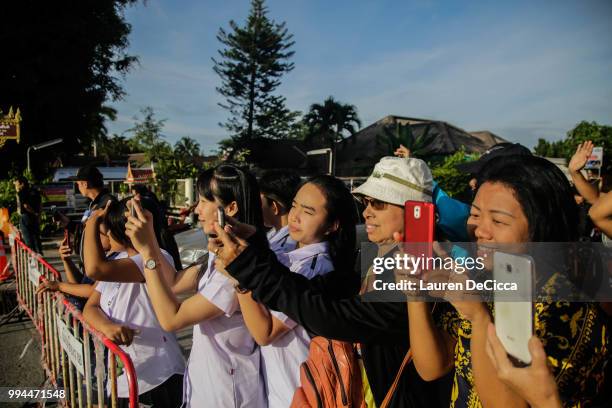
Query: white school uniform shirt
[
  {"x": 224, "y": 365},
  {"x": 280, "y": 241},
  {"x": 281, "y": 360},
  {"x": 155, "y": 352}
]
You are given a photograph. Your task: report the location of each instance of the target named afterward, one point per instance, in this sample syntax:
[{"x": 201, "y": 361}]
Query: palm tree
[
  {"x": 187, "y": 148},
  {"x": 331, "y": 120}
]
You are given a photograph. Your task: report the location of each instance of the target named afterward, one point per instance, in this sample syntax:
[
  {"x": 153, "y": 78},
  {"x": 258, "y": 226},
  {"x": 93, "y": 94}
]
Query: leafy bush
[
  {"x": 451, "y": 180},
  {"x": 47, "y": 224},
  {"x": 8, "y": 195}
]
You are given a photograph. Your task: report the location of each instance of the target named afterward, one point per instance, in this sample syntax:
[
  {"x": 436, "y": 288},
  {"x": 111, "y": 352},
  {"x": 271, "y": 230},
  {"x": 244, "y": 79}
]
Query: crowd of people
[{"x": 286, "y": 268}]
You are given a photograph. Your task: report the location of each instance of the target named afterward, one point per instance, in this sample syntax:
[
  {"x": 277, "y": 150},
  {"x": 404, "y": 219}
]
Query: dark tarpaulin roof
[
  {"x": 488, "y": 137},
  {"x": 357, "y": 154},
  {"x": 275, "y": 154}
]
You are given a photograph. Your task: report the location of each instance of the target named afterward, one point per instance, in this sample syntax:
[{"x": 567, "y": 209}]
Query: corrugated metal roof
[{"x": 109, "y": 173}]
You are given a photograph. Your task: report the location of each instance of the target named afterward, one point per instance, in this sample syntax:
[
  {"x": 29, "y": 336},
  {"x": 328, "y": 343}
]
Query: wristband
[{"x": 240, "y": 290}]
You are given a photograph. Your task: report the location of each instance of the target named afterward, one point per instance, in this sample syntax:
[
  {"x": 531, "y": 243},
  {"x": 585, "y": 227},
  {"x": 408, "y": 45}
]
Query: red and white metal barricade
[{"x": 74, "y": 355}]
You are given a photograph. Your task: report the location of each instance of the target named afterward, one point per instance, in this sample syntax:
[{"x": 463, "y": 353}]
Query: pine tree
[
  {"x": 147, "y": 135},
  {"x": 252, "y": 63}
]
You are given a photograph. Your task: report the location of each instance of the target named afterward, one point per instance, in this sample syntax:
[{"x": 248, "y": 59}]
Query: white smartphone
[
  {"x": 514, "y": 310},
  {"x": 221, "y": 216}
]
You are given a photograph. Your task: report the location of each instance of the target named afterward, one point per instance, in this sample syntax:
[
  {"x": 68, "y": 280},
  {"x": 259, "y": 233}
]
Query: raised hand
[
  {"x": 139, "y": 228},
  {"x": 402, "y": 151},
  {"x": 581, "y": 156},
  {"x": 64, "y": 250},
  {"x": 226, "y": 247},
  {"x": 97, "y": 215}
]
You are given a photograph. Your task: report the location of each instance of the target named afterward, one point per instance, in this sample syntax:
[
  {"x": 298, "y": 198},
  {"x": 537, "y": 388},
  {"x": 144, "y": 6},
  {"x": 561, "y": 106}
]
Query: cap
[
  {"x": 498, "y": 150},
  {"x": 91, "y": 174},
  {"x": 396, "y": 180}
]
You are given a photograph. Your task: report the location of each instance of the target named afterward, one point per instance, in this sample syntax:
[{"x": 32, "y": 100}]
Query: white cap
[{"x": 396, "y": 180}]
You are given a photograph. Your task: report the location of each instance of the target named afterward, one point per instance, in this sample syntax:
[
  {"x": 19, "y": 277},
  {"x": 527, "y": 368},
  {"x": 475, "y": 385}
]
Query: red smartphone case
[
  {"x": 67, "y": 237},
  {"x": 419, "y": 218}
]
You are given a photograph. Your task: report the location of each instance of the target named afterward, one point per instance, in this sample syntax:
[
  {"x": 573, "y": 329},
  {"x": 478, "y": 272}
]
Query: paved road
[{"x": 19, "y": 349}]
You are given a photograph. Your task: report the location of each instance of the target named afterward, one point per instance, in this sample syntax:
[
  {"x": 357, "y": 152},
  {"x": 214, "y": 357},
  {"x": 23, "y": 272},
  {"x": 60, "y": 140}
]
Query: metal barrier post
[
  {"x": 113, "y": 378},
  {"x": 98, "y": 349},
  {"x": 79, "y": 379}
]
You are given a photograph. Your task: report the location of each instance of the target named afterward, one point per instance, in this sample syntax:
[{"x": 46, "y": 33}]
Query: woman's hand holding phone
[
  {"x": 230, "y": 241},
  {"x": 139, "y": 228},
  {"x": 534, "y": 383},
  {"x": 64, "y": 250},
  {"x": 403, "y": 275}
]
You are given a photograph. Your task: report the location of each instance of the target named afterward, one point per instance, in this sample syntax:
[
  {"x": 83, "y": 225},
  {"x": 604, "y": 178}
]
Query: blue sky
[{"x": 523, "y": 69}]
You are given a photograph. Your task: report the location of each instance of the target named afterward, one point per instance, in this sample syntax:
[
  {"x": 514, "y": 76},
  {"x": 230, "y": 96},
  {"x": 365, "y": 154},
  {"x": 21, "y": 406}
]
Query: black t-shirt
[{"x": 31, "y": 197}]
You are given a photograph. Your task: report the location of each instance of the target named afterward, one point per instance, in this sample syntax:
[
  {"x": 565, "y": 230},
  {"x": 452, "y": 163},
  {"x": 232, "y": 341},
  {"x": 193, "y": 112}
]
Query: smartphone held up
[
  {"x": 220, "y": 220},
  {"x": 221, "y": 216},
  {"x": 419, "y": 218},
  {"x": 514, "y": 317},
  {"x": 67, "y": 238}
]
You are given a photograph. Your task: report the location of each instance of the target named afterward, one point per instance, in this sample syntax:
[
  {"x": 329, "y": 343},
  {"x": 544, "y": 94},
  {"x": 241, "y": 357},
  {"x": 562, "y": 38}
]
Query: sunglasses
[{"x": 376, "y": 204}]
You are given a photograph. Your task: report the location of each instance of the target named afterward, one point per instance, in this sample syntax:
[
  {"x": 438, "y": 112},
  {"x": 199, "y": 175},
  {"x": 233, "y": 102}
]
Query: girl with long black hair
[
  {"x": 520, "y": 199},
  {"x": 224, "y": 365},
  {"x": 322, "y": 221}
]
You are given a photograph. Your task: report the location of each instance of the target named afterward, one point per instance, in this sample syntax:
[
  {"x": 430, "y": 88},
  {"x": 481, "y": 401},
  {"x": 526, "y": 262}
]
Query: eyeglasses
[{"x": 376, "y": 204}]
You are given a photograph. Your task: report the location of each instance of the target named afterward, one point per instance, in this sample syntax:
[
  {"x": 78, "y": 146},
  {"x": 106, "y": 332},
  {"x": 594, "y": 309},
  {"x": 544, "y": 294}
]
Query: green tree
[
  {"x": 251, "y": 64},
  {"x": 187, "y": 148},
  {"x": 8, "y": 195},
  {"x": 168, "y": 169},
  {"x": 183, "y": 162},
  {"x": 600, "y": 135},
  {"x": 331, "y": 121},
  {"x": 114, "y": 148},
  {"x": 147, "y": 135},
  {"x": 65, "y": 63},
  {"x": 551, "y": 149}
]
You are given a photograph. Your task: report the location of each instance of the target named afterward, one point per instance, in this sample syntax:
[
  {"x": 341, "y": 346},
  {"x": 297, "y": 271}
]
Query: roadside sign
[
  {"x": 10, "y": 126},
  {"x": 33, "y": 272},
  {"x": 595, "y": 159},
  {"x": 71, "y": 345}
]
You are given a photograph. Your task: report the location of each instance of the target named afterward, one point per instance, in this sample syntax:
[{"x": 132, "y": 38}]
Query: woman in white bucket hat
[
  {"x": 393, "y": 182},
  {"x": 329, "y": 307}
]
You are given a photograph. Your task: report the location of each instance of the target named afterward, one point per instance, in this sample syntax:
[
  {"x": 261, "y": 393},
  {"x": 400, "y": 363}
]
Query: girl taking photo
[
  {"x": 519, "y": 199},
  {"x": 322, "y": 221},
  {"x": 224, "y": 365},
  {"x": 123, "y": 313}
]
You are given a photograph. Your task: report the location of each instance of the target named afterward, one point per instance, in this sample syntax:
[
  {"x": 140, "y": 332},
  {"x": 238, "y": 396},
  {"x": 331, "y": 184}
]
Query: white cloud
[
  {"x": 502, "y": 83},
  {"x": 523, "y": 76}
]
